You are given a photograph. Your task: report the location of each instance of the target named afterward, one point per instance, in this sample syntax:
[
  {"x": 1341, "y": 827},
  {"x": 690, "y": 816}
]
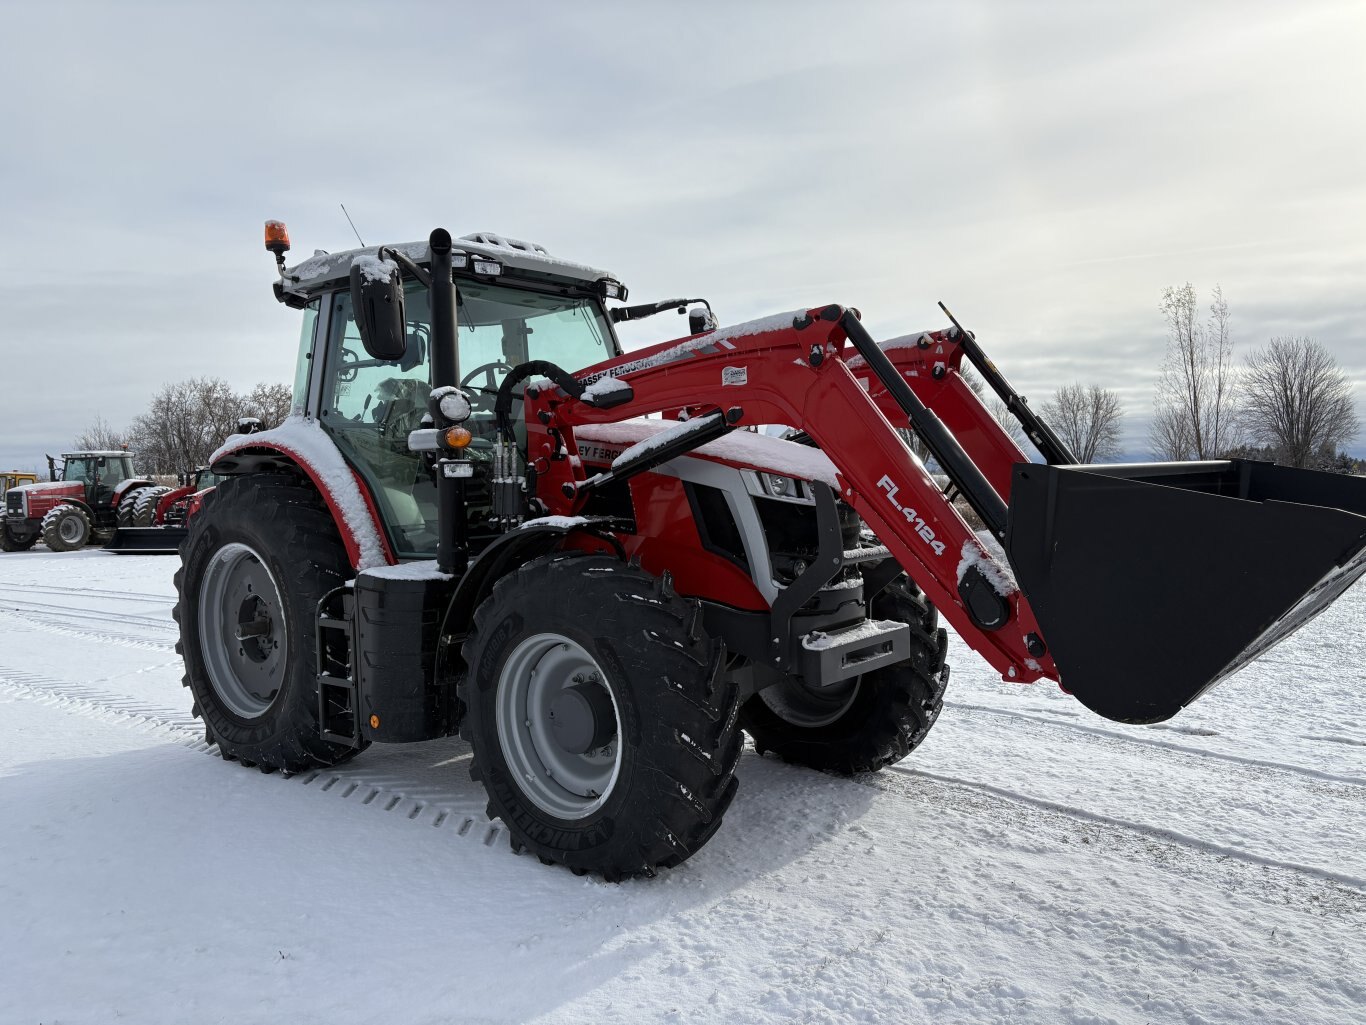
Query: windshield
[
  {"x": 84, "y": 468},
  {"x": 501, "y": 327}
]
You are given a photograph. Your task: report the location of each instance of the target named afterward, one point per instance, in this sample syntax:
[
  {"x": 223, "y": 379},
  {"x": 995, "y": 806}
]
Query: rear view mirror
[{"x": 377, "y": 302}]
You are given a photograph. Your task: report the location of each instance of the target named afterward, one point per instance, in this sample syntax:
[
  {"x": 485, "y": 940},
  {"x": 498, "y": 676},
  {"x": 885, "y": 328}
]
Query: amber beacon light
[{"x": 277, "y": 237}]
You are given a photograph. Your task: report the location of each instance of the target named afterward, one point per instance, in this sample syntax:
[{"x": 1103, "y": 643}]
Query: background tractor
[
  {"x": 81, "y": 503},
  {"x": 155, "y": 518},
  {"x": 486, "y": 518}
]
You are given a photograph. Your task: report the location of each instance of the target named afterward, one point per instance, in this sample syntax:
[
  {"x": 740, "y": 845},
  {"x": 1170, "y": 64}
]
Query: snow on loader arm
[{"x": 1136, "y": 587}]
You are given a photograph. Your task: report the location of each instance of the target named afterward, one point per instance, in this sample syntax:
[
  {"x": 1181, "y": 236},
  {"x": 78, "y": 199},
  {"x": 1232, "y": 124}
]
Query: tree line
[
  {"x": 1287, "y": 402},
  {"x": 186, "y": 421}
]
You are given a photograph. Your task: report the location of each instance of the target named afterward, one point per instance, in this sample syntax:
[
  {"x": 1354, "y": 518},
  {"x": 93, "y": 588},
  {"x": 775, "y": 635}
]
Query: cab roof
[{"x": 323, "y": 269}]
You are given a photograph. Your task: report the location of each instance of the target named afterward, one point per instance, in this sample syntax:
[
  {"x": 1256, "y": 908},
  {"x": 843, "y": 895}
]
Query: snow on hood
[
  {"x": 48, "y": 485},
  {"x": 743, "y": 448},
  {"x": 302, "y": 437}
]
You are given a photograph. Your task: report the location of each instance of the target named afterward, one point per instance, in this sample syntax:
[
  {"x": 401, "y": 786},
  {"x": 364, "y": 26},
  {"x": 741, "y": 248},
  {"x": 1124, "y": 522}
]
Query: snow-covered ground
[{"x": 1030, "y": 863}]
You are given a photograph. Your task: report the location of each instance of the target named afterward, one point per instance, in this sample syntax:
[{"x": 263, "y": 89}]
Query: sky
[{"x": 1047, "y": 169}]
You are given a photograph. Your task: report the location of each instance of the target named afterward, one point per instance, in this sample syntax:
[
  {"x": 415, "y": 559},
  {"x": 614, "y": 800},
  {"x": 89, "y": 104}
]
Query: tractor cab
[
  {"x": 98, "y": 473},
  {"x": 514, "y": 305},
  {"x": 13, "y": 478}
]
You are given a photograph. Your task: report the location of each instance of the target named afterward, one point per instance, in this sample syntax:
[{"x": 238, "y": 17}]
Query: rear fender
[
  {"x": 309, "y": 452},
  {"x": 126, "y": 486}
]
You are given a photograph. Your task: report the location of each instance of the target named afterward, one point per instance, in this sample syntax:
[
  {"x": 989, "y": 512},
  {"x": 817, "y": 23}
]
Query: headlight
[
  {"x": 455, "y": 406},
  {"x": 779, "y": 486}
]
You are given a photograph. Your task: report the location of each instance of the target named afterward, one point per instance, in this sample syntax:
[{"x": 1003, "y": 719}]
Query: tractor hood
[
  {"x": 601, "y": 443},
  {"x": 52, "y": 488}
]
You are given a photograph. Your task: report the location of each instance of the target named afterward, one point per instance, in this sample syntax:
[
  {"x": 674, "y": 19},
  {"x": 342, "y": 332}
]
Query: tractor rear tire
[
  {"x": 126, "y": 509},
  {"x": 258, "y": 557},
  {"x": 605, "y": 730},
  {"x": 66, "y": 528},
  {"x": 879, "y": 719},
  {"x": 10, "y": 543},
  {"x": 145, "y": 507}
]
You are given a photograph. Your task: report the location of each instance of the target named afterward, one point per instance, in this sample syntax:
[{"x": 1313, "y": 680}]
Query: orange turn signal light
[
  {"x": 374, "y": 722},
  {"x": 277, "y": 237},
  {"x": 456, "y": 437}
]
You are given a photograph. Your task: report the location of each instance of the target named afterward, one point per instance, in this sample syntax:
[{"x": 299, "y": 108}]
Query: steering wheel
[
  {"x": 488, "y": 391},
  {"x": 350, "y": 362}
]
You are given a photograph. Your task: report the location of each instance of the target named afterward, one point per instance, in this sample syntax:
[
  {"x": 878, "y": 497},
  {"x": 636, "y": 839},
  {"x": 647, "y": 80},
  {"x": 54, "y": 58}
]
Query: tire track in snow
[
  {"x": 1169, "y": 745},
  {"x": 371, "y": 788},
  {"x": 85, "y": 592},
  {"x": 163, "y": 622},
  {"x": 895, "y": 780},
  {"x": 122, "y": 640}
]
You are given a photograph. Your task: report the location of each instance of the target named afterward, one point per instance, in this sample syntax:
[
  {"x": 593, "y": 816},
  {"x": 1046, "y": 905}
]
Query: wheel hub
[
  {"x": 241, "y": 631},
  {"x": 69, "y": 529},
  {"x": 582, "y": 718},
  {"x": 558, "y": 724}
]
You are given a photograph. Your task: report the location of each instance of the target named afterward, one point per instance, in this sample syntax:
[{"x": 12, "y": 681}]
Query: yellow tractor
[{"x": 12, "y": 478}]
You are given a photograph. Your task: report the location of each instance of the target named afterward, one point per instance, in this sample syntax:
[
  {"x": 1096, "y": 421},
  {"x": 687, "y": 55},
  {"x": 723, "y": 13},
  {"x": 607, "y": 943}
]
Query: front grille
[{"x": 14, "y": 503}]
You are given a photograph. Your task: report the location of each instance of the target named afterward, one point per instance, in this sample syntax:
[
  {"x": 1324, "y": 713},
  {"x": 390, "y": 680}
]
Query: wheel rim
[
  {"x": 70, "y": 528},
  {"x": 795, "y": 703},
  {"x": 242, "y": 631},
  {"x": 552, "y": 699}
]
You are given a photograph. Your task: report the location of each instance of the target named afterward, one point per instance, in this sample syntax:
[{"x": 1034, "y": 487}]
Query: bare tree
[
  {"x": 1196, "y": 415},
  {"x": 100, "y": 437},
  {"x": 185, "y": 423},
  {"x": 1297, "y": 401},
  {"x": 269, "y": 403},
  {"x": 1087, "y": 419}
]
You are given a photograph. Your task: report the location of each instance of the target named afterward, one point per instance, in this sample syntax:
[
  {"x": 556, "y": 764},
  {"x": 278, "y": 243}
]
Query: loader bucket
[
  {"x": 146, "y": 540},
  {"x": 1152, "y": 582}
]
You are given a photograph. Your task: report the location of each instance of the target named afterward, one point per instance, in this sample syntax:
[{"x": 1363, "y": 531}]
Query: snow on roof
[
  {"x": 323, "y": 267},
  {"x": 108, "y": 454},
  {"x": 744, "y": 448}
]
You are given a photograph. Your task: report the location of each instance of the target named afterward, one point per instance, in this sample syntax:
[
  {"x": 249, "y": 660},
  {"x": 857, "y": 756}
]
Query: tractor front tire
[
  {"x": 66, "y": 528},
  {"x": 878, "y": 718},
  {"x": 604, "y": 728},
  {"x": 10, "y": 543},
  {"x": 258, "y": 557},
  {"x": 145, "y": 506}
]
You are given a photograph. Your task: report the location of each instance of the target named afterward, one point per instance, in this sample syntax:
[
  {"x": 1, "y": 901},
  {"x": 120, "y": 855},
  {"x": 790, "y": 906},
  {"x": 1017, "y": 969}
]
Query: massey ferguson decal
[{"x": 912, "y": 517}]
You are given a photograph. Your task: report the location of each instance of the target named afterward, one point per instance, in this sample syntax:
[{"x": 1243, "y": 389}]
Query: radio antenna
[{"x": 353, "y": 224}]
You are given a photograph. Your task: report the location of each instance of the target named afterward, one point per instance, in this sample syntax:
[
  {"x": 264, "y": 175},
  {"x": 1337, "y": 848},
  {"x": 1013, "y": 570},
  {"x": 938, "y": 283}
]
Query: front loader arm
[
  {"x": 794, "y": 370},
  {"x": 931, "y": 363}
]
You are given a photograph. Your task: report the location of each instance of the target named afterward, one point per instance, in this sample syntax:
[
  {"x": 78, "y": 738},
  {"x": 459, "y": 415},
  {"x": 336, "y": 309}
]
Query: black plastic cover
[{"x": 397, "y": 624}]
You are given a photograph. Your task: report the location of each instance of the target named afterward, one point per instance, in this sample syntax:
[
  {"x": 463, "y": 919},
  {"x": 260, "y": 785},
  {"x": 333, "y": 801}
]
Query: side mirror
[
  {"x": 701, "y": 318},
  {"x": 377, "y": 302}
]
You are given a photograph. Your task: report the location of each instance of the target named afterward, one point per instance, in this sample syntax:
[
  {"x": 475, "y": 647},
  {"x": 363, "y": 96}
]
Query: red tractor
[
  {"x": 471, "y": 524},
  {"x": 83, "y": 502},
  {"x": 155, "y": 525}
]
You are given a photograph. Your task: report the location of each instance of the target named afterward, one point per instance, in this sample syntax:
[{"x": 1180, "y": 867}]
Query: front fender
[{"x": 299, "y": 445}]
